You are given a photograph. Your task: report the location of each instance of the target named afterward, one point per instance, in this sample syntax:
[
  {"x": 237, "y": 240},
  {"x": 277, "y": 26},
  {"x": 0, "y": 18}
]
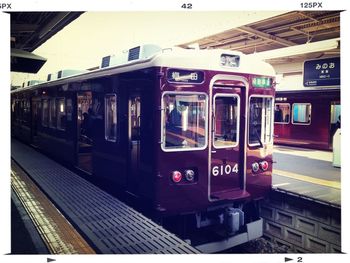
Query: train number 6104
[{"x": 224, "y": 169}]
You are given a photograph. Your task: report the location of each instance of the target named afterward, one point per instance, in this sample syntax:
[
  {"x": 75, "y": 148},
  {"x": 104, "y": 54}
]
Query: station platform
[
  {"x": 308, "y": 173},
  {"x": 106, "y": 223}
]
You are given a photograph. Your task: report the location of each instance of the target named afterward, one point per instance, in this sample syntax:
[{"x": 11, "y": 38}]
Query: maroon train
[
  {"x": 187, "y": 131},
  {"x": 307, "y": 118}
]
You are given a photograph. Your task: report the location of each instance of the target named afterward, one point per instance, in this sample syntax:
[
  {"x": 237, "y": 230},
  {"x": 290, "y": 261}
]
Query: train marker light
[
  {"x": 255, "y": 167},
  {"x": 189, "y": 174},
  {"x": 176, "y": 176},
  {"x": 264, "y": 165}
]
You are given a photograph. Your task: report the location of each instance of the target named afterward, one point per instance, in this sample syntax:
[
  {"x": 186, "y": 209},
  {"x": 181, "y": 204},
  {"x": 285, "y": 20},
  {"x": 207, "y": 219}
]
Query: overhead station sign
[{"x": 322, "y": 72}]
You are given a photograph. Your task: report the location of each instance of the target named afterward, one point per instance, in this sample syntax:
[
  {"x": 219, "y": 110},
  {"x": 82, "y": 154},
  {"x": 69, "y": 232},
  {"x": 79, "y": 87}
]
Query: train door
[
  {"x": 84, "y": 130},
  {"x": 227, "y": 140},
  {"x": 134, "y": 124}
]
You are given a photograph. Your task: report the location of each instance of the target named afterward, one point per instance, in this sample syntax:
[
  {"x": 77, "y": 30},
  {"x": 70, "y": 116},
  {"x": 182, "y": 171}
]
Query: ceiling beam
[
  {"x": 300, "y": 23},
  {"x": 225, "y": 42},
  {"x": 23, "y": 28},
  {"x": 318, "y": 33},
  {"x": 60, "y": 16},
  {"x": 245, "y": 44},
  {"x": 266, "y": 36},
  {"x": 307, "y": 16}
]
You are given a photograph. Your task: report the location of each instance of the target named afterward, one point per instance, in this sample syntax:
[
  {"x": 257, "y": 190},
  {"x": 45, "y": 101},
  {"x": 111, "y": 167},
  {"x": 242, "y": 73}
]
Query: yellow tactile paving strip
[
  {"x": 309, "y": 179},
  {"x": 58, "y": 234}
]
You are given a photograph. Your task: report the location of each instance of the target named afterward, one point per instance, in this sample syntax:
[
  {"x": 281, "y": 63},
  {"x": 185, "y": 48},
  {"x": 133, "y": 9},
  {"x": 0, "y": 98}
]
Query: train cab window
[
  {"x": 111, "y": 117},
  {"x": 260, "y": 120},
  {"x": 301, "y": 113},
  {"x": 45, "y": 113},
  {"x": 184, "y": 121},
  {"x": 282, "y": 113},
  {"x": 52, "y": 113},
  {"x": 61, "y": 114},
  {"x": 226, "y": 109}
]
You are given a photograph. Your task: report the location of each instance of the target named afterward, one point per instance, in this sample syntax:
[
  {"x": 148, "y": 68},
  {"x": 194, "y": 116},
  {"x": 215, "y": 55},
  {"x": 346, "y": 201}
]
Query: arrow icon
[
  {"x": 287, "y": 259},
  {"x": 50, "y": 260}
]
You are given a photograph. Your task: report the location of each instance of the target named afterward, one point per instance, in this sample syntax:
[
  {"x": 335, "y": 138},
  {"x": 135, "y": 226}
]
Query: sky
[{"x": 84, "y": 42}]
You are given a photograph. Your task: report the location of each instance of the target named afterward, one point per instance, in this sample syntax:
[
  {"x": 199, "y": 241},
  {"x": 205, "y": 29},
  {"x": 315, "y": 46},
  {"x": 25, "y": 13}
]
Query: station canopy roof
[
  {"x": 286, "y": 30},
  {"x": 31, "y": 29}
]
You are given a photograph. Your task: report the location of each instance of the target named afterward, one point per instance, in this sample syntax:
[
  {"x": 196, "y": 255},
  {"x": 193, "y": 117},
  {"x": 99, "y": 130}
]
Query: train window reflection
[
  {"x": 226, "y": 121},
  {"x": 52, "y": 114},
  {"x": 301, "y": 113},
  {"x": 260, "y": 120},
  {"x": 61, "y": 114},
  {"x": 111, "y": 117},
  {"x": 184, "y": 121},
  {"x": 45, "y": 113},
  {"x": 282, "y": 112}
]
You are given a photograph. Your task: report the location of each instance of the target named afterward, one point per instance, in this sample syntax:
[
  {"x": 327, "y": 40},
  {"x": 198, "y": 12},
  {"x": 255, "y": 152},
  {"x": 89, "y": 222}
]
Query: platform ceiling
[
  {"x": 286, "y": 30},
  {"x": 31, "y": 29}
]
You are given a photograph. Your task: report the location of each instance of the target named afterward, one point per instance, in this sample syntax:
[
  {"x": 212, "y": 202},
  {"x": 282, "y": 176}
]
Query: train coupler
[{"x": 234, "y": 220}]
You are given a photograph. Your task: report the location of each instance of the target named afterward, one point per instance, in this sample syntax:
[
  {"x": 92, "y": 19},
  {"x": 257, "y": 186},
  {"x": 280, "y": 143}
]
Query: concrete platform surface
[{"x": 307, "y": 172}]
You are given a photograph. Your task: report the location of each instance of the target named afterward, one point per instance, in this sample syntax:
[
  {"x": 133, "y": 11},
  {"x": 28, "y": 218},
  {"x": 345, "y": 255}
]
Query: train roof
[{"x": 174, "y": 57}]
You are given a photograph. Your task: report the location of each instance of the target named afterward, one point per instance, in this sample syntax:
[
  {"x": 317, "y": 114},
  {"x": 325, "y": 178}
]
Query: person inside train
[
  {"x": 286, "y": 118},
  {"x": 86, "y": 125},
  {"x": 174, "y": 120},
  {"x": 174, "y": 127},
  {"x": 338, "y": 123},
  {"x": 278, "y": 114}
]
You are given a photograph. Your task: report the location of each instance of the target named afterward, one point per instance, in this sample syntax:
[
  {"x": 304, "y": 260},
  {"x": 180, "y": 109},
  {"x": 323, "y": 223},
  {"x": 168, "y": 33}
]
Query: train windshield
[
  {"x": 226, "y": 120},
  {"x": 184, "y": 121},
  {"x": 260, "y": 120}
]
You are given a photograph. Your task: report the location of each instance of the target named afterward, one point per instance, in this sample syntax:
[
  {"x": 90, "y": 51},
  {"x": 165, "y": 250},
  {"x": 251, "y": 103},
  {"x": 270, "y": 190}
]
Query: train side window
[
  {"x": 22, "y": 105},
  {"x": 184, "y": 121},
  {"x": 26, "y": 111},
  {"x": 17, "y": 109},
  {"x": 226, "y": 121},
  {"x": 260, "y": 120},
  {"x": 45, "y": 113},
  {"x": 282, "y": 113},
  {"x": 61, "y": 114},
  {"x": 13, "y": 106},
  {"x": 52, "y": 113},
  {"x": 301, "y": 113},
  {"x": 111, "y": 117}
]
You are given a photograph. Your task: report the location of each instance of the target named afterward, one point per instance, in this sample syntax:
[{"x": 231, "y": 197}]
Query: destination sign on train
[
  {"x": 261, "y": 82},
  {"x": 322, "y": 72},
  {"x": 187, "y": 76}
]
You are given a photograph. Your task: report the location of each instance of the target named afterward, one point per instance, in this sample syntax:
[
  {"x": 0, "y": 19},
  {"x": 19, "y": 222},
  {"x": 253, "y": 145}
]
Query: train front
[{"x": 215, "y": 157}]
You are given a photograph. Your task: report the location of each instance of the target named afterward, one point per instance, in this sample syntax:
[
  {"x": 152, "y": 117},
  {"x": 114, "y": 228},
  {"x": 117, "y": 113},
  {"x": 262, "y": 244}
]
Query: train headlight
[
  {"x": 189, "y": 175},
  {"x": 255, "y": 167},
  {"x": 264, "y": 165},
  {"x": 176, "y": 176}
]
